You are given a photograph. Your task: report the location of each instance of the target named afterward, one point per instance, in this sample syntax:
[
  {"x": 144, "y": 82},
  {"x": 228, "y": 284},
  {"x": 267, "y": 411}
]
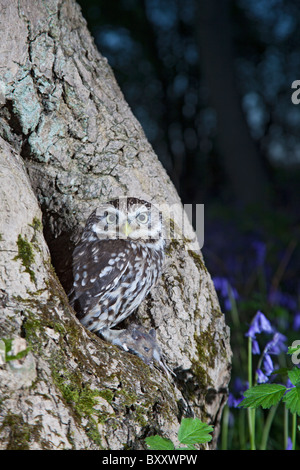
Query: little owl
[{"x": 117, "y": 261}]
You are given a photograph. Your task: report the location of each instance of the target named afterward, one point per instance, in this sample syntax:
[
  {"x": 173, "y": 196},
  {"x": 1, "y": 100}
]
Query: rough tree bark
[{"x": 68, "y": 142}]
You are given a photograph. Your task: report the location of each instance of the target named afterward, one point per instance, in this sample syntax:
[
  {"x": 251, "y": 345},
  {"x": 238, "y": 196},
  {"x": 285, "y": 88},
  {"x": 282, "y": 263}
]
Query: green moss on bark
[
  {"x": 20, "y": 432},
  {"x": 26, "y": 255}
]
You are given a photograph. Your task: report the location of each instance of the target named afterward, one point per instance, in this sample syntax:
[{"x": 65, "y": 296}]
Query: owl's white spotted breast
[{"x": 113, "y": 276}]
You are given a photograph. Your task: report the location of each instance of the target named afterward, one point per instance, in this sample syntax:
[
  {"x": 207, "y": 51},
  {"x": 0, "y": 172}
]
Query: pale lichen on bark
[{"x": 68, "y": 142}]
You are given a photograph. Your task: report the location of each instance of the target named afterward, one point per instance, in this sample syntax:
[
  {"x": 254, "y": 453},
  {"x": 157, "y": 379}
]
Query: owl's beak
[{"x": 126, "y": 229}]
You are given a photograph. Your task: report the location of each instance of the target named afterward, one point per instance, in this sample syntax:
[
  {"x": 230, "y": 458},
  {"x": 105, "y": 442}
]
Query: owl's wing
[{"x": 97, "y": 269}]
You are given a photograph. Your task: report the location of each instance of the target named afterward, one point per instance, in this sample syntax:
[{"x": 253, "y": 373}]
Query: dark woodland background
[{"x": 210, "y": 82}]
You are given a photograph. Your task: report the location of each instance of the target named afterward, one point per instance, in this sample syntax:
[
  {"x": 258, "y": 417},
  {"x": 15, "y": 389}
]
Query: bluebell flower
[
  {"x": 234, "y": 292},
  {"x": 289, "y": 383},
  {"x": 261, "y": 377},
  {"x": 289, "y": 444},
  {"x": 232, "y": 401},
  {"x": 265, "y": 325},
  {"x": 226, "y": 291},
  {"x": 221, "y": 284},
  {"x": 277, "y": 344},
  {"x": 268, "y": 364},
  {"x": 259, "y": 324},
  {"x": 296, "y": 322},
  {"x": 255, "y": 347},
  {"x": 239, "y": 386},
  {"x": 227, "y": 304}
]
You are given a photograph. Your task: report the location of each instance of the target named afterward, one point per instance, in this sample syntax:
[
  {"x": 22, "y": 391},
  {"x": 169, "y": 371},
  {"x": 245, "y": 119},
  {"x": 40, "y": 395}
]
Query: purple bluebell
[
  {"x": 221, "y": 284},
  {"x": 234, "y": 402},
  {"x": 233, "y": 291},
  {"x": 289, "y": 383},
  {"x": 226, "y": 291},
  {"x": 255, "y": 347},
  {"x": 276, "y": 345},
  {"x": 265, "y": 325},
  {"x": 259, "y": 324},
  {"x": 268, "y": 364},
  {"x": 239, "y": 387},
  {"x": 289, "y": 444},
  {"x": 296, "y": 322},
  {"x": 261, "y": 377},
  {"x": 227, "y": 304}
]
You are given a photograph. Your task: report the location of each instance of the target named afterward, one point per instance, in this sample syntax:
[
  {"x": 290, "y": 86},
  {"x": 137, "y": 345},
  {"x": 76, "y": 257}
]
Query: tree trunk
[
  {"x": 68, "y": 142},
  {"x": 240, "y": 158}
]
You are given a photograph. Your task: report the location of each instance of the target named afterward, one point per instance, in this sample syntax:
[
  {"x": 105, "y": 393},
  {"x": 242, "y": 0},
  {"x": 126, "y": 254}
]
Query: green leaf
[
  {"x": 193, "y": 431},
  {"x": 294, "y": 375},
  {"x": 159, "y": 443},
  {"x": 293, "y": 349},
  {"x": 292, "y": 400},
  {"x": 264, "y": 395},
  {"x": 282, "y": 371},
  {"x": 189, "y": 447}
]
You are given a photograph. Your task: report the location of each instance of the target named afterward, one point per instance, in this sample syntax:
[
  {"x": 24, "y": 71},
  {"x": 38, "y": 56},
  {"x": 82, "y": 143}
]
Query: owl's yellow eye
[
  {"x": 111, "y": 218},
  {"x": 142, "y": 218}
]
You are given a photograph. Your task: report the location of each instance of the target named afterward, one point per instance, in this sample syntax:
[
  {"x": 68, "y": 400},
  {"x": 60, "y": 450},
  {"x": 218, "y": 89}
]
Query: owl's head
[{"x": 126, "y": 218}]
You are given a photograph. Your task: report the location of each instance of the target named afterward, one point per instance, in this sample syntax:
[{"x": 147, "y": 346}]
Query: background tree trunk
[
  {"x": 241, "y": 160},
  {"x": 68, "y": 142}
]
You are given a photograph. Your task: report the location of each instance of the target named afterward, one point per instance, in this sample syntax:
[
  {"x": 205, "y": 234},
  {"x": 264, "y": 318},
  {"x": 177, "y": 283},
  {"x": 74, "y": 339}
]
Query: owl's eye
[
  {"x": 111, "y": 218},
  {"x": 142, "y": 218}
]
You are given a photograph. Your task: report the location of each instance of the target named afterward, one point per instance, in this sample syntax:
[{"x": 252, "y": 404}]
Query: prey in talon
[{"x": 136, "y": 340}]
